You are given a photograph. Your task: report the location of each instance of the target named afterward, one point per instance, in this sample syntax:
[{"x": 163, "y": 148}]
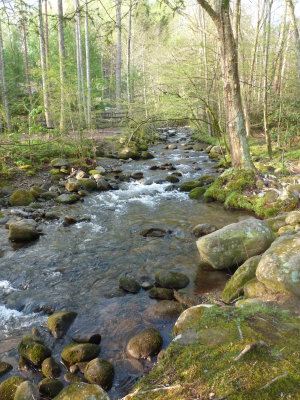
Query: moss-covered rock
[
  {"x": 172, "y": 179},
  {"x": 128, "y": 152},
  {"x": 235, "y": 286},
  {"x": 50, "y": 387},
  {"x": 197, "y": 193},
  {"x": 254, "y": 289},
  {"x": 188, "y": 318},
  {"x": 279, "y": 268},
  {"x": 277, "y": 222},
  {"x": 146, "y": 155},
  {"x": 76, "y": 353},
  {"x": 27, "y": 391},
  {"x": 59, "y": 162},
  {"x": 88, "y": 184},
  {"x": 100, "y": 372},
  {"x": 67, "y": 198},
  {"x": 171, "y": 279},
  {"x": 129, "y": 284},
  {"x": 146, "y": 344},
  {"x": 33, "y": 350},
  {"x": 232, "y": 245},
  {"x": 9, "y": 387},
  {"x": 82, "y": 391},
  {"x": 293, "y": 218},
  {"x": 161, "y": 293},
  {"x": 286, "y": 229},
  {"x": 60, "y": 322},
  {"x": 4, "y": 368},
  {"x": 21, "y": 198},
  {"x": 189, "y": 185},
  {"x": 22, "y": 231},
  {"x": 50, "y": 368},
  {"x": 36, "y": 191}
]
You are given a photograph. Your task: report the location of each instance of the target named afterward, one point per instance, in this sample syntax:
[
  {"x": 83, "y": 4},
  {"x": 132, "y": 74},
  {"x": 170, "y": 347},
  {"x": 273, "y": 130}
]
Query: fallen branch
[
  {"x": 274, "y": 380},
  {"x": 130, "y": 395},
  {"x": 248, "y": 348}
]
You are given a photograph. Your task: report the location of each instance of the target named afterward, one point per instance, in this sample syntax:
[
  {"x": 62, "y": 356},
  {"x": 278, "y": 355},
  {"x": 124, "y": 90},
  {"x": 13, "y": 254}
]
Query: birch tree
[
  {"x": 129, "y": 54},
  {"x": 87, "y": 62},
  {"x": 62, "y": 56},
  {"x": 119, "y": 54}
]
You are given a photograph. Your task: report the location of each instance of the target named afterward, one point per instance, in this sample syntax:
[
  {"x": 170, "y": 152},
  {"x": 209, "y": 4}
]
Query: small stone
[
  {"x": 59, "y": 323},
  {"x": 82, "y": 391},
  {"x": 76, "y": 353},
  {"x": 21, "y": 198},
  {"x": 72, "y": 185},
  {"x": 22, "y": 231},
  {"x": 164, "y": 309},
  {"x": 9, "y": 387},
  {"x": 137, "y": 176},
  {"x": 146, "y": 285},
  {"x": 154, "y": 232},
  {"x": 100, "y": 372},
  {"x": 71, "y": 378},
  {"x": 67, "y": 198},
  {"x": 33, "y": 350}
]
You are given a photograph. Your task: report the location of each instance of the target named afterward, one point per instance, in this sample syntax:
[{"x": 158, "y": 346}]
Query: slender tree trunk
[
  {"x": 119, "y": 54},
  {"x": 129, "y": 55},
  {"x": 27, "y": 71},
  {"x": 46, "y": 36},
  {"x": 88, "y": 72},
  {"x": 43, "y": 67},
  {"x": 78, "y": 59},
  {"x": 296, "y": 32},
  {"x": 279, "y": 56},
  {"x": 265, "y": 80},
  {"x": 3, "y": 81},
  {"x": 62, "y": 61},
  {"x": 144, "y": 82}
]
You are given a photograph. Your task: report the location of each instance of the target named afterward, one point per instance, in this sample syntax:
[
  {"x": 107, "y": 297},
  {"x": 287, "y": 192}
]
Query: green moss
[
  {"x": 54, "y": 171},
  {"x": 189, "y": 185},
  {"x": 74, "y": 353},
  {"x": 9, "y": 387},
  {"x": 197, "y": 193},
  {"x": 172, "y": 179},
  {"x": 33, "y": 350},
  {"x": 21, "y": 198}
]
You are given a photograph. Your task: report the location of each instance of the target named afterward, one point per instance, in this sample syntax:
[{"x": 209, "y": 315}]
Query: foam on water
[
  {"x": 6, "y": 287},
  {"x": 14, "y": 320}
]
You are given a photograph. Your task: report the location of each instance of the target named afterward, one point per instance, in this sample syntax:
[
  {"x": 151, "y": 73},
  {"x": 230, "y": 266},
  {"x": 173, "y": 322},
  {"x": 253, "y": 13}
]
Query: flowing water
[{"x": 78, "y": 267}]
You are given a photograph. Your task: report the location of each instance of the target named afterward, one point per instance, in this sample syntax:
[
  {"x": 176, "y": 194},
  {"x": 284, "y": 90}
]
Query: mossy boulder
[
  {"x": 171, "y": 279},
  {"x": 82, "y": 391},
  {"x": 21, "y": 198},
  {"x": 161, "y": 293},
  {"x": 254, "y": 289},
  {"x": 60, "y": 322},
  {"x": 188, "y": 318},
  {"x": 146, "y": 155},
  {"x": 235, "y": 286},
  {"x": 294, "y": 190},
  {"x": 293, "y": 218},
  {"x": 67, "y": 198},
  {"x": 9, "y": 387},
  {"x": 189, "y": 185},
  {"x": 27, "y": 391},
  {"x": 50, "y": 368},
  {"x": 22, "y": 231},
  {"x": 88, "y": 184},
  {"x": 33, "y": 350},
  {"x": 286, "y": 229},
  {"x": 232, "y": 245},
  {"x": 279, "y": 267},
  {"x": 197, "y": 193},
  {"x": 76, "y": 353},
  {"x": 100, "y": 372},
  {"x": 36, "y": 191},
  {"x": 4, "y": 368},
  {"x": 172, "y": 179},
  {"x": 146, "y": 344},
  {"x": 163, "y": 310},
  {"x": 128, "y": 152},
  {"x": 59, "y": 163},
  {"x": 129, "y": 284},
  {"x": 277, "y": 222},
  {"x": 50, "y": 387}
]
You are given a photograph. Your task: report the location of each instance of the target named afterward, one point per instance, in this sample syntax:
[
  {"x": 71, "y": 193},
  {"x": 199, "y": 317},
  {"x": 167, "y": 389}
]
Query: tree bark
[
  {"x": 62, "y": 58},
  {"x": 239, "y": 149},
  {"x": 3, "y": 81},
  {"x": 27, "y": 71},
  {"x": 46, "y": 36},
  {"x": 296, "y": 33},
  {"x": 78, "y": 59},
  {"x": 129, "y": 55},
  {"x": 43, "y": 67},
  {"x": 88, "y": 72},
  {"x": 279, "y": 56},
  {"x": 119, "y": 54}
]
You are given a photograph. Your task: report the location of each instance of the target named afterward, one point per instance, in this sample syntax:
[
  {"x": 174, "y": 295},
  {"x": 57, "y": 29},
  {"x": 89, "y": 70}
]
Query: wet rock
[
  {"x": 80, "y": 175},
  {"x": 50, "y": 368},
  {"x": 146, "y": 155},
  {"x": 164, "y": 309},
  {"x": 71, "y": 378},
  {"x": 161, "y": 294},
  {"x": 67, "y": 198},
  {"x": 137, "y": 176},
  {"x": 172, "y": 179},
  {"x": 4, "y": 368},
  {"x": 171, "y": 279},
  {"x": 50, "y": 387},
  {"x": 72, "y": 185},
  {"x": 27, "y": 391},
  {"x": 155, "y": 232},
  {"x": 188, "y": 318},
  {"x": 188, "y": 298},
  {"x": 129, "y": 284},
  {"x": 197, "y": 193},
  {"x": 230, "y": 246},
  {"x": 33, "y": 350},
  {"x": 87, "y": 338},
  {"x": 102, "y": 185},
  {"x": 189, "y": 185},
  {"x": 60, "y": 322},
  {"x": 68, "y": 220},
  {"x": 146, "y": 344},
  {"x": 203, "y": 229},
  {"x": 21, "y": 198},
  {"x": 88, "y": 184},
  {"x": 100, "y": 372},
  {"x": 82, "y": 391},
  {"x": 279, "y": 268},
  {"x": 9, "y": 387},
  {"x": 235, "y": 286},
  {"x": 76, "y": 353},
  {"x": 126, "y": 153},
  {"x": 171, "y": 147}
]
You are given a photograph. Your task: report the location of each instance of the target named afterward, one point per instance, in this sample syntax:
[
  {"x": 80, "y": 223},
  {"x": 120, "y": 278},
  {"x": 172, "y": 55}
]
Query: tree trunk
[
  {"x": 279, "y": 56},
  {"x": 62, "y": 58},
  {"x": 46, "y": 36},
  {"x": 78, "y": 59},
  {"x": 27, "y": 72},
  {"x": 239, "y": 148},
  {"x": 129, "y": 55},
  {"x": 296, "y": 32},
  {"x": 43, "y": 67},
  {"x": 88, "y": 72},
  {"x": 3, "y": 81},
  {"x": 119, "y": 54},
  {"x": 144, "y": 83}
]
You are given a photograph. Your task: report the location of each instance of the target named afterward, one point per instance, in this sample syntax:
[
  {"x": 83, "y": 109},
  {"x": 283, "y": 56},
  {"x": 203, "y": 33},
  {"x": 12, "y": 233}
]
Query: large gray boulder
[
  {"x": 279, "y": 267},
  {"x": 235, "y": 243}
]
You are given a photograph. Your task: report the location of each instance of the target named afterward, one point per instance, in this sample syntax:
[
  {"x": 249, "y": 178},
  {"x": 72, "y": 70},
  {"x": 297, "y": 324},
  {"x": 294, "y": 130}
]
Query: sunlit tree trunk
[
  {"x": 129, "y": 55},
  {"x": 279, "y": 55},
  {"x": 239, "y": 148},
  {"x": 296, "y": 32},
  {"x": 87, "y": 61},
  {"x": 62, "y": 61},
  {"x": 3, "y": 81},
  {"x": 27, "y": 71},
  {"x": 144, "y": 82},
  {"x": 43, "y": 67},
  {"x": 78, "y": 59},
  {"x": 119, "y": 54},
  {"x": 46, "y": 36}
]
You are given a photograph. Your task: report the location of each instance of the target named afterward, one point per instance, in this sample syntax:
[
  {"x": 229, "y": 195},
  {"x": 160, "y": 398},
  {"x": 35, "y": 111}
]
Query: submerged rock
[
  {"x": 230, "y": 246},
  {"x": 100, "y": 372},
  {"x": 33, "y": 350},
  {"x": 154, "y": 232},
  {"x": 203, "y": 229},
  {"x": 146, "y": 344},
  {"x": 59, "y": 323},
  {"x": 23, "y": 231},
  {"x": 171, "y": 279},
  {"x": 161, "y": 294},
  {"x": 87, "y": 338},
  {"x": 279, "y": 267},
  {"x": 235, "y": 286},
  {"x": 82, "y": 391},
  {"x": 9, "y": 387},
  {"x": 76, "y": 353},
  {"x": 129, "y": 284},
  {"x": 164, "y": 309},
  {"x": 27, "y": 391}
]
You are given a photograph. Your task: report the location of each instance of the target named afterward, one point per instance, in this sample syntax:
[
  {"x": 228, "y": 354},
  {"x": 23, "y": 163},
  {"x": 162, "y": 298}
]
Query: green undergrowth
[
  {"x": 235, "y": 188},
  {"x": 208, "y": 368}
]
